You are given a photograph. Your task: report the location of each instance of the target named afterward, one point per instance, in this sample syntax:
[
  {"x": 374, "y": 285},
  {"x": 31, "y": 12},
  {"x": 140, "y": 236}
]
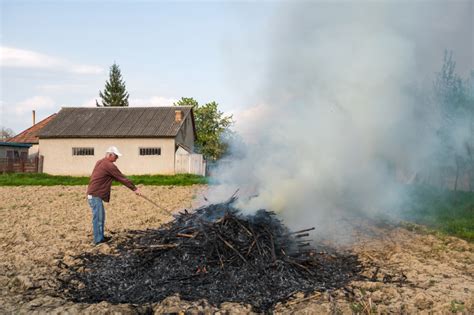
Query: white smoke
[{"x": 339, "y": 120}]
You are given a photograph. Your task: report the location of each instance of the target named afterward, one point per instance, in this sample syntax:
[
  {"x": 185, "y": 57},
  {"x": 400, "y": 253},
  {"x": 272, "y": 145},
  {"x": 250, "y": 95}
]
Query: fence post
[
  {"x": 40, "y": 164},
  {"x": 10, "y": 163}
]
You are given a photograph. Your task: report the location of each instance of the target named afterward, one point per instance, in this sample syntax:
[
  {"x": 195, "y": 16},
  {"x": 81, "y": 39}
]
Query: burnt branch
[{"x": 215, "y": 253}]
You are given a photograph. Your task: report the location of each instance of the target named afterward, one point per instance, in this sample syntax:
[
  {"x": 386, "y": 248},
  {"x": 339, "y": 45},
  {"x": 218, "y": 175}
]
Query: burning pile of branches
[{"x": 214, "y": 253}]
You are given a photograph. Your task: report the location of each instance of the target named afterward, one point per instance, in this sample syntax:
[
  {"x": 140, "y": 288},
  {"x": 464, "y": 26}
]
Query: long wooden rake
[{"x": 156, "y": 205}]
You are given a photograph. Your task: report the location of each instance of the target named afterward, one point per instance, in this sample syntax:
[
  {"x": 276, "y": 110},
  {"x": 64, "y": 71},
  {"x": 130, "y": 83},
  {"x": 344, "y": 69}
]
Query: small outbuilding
[
  {"x": 14, "y": 150},
  {"x": 151, "y": 140},
  {"x": 14, "y": 156}
]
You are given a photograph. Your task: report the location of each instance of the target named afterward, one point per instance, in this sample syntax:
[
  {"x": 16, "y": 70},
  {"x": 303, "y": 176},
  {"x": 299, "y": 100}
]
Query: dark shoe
[{"x": 105, "y": 240}]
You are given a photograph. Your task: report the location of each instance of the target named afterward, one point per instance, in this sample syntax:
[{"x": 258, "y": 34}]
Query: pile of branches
[{"x": 214, "y": 253}]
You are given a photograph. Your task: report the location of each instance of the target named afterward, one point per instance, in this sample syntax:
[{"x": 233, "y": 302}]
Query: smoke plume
[{"x": 339, "y": 128}]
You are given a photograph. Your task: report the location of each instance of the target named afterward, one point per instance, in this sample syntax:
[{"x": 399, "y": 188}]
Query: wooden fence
[
  {"x": 190, "y": 164},
  {"x": 21, "y": 165}
]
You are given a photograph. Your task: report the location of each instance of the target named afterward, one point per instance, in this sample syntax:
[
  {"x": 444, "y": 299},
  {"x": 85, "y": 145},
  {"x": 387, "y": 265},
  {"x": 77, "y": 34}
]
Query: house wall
[
  {"x": 58, "y": 158},
  {"x": 186, "y": 134},
  {"x": 181, "y": 151},
  {"x": 33, "y": 150}
]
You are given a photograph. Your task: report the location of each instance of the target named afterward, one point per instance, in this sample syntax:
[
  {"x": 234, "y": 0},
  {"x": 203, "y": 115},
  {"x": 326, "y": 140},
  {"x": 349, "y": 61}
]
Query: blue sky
[{"x": 58, "y": 53}]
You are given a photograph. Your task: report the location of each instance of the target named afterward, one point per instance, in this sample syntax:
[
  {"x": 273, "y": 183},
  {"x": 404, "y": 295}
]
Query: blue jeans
[{"x": 98, "y": 218}]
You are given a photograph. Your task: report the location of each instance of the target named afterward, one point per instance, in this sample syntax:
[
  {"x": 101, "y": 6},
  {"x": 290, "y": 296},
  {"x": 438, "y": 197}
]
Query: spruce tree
[{"x": 115, "y": 93}]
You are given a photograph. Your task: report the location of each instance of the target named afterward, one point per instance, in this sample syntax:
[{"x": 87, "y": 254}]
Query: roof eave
[{"x": 102, "y": 136}]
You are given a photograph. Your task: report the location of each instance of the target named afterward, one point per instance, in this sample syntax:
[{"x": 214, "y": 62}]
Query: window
[
  {"x": 150, "y": 151},
  {"x": 82, "y": 151}
]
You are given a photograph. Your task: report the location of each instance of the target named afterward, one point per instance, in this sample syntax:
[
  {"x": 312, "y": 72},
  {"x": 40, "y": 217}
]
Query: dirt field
[{"x": 41, "y": 225}]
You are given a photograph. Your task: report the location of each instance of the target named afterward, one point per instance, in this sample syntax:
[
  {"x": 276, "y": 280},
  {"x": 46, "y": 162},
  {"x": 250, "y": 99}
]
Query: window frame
[
  {"x": 149, "y": 151},
  {"x": 83, "y": 151}
]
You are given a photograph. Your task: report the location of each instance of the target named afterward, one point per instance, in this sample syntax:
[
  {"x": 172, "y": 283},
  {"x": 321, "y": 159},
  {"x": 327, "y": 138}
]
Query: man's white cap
[{"x": 113, "y": 150}]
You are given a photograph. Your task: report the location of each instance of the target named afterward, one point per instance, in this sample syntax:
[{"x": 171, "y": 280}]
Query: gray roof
[{"x": 116, "y": 122}]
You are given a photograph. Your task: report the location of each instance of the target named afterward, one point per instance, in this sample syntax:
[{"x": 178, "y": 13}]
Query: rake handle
[{"x": 155, "y": 204}]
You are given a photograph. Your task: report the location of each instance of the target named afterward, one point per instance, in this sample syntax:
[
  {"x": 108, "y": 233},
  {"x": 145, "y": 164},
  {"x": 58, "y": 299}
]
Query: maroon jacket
[{"x": 101, "y": 179}]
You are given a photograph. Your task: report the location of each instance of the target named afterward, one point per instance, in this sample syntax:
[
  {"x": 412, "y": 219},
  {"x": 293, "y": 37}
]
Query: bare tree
[{"x": 6, "y": 133}]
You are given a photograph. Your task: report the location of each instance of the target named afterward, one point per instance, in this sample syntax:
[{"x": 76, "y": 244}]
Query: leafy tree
[
  {"x": 456, "y": 118},
  {"x": 470, "y": 141},
  {"x": 450, "y": 91},
  {"x": 187, "y": 101},
  {"x": 115, "y": 93},
  {"x": 6, "y": 133},
  {"x": 212, "y": 127}
]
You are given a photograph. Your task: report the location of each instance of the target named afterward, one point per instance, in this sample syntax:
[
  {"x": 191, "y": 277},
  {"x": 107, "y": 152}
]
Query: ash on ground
[{"x": 214, "y": 253}]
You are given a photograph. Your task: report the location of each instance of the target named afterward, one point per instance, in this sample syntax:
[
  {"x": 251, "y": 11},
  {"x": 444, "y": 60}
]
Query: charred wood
[{"x": 214, "y": 252}]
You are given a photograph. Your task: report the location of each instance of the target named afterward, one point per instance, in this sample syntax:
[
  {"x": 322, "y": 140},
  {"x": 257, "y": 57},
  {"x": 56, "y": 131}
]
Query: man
[{"x": 105, "y": 171}]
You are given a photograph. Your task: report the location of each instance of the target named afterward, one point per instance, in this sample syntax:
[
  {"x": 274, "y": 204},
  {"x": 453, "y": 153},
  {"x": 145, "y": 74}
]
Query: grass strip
[
  {"x": 33, "y": 179},
  {"x": 451, "y": 212}
]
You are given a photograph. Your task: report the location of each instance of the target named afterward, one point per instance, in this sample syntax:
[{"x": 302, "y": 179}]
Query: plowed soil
[{"x": 407, "y": 271}]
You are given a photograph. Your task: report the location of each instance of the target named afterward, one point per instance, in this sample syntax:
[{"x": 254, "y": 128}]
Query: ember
[{"x": 214, "y": 253}]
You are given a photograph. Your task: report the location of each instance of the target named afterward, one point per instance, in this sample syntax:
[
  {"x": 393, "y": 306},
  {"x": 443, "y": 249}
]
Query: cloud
[
  {"x": 152, "y": 101},
  {"x": 34, "y": 103},
  {"x": 138, "y": 102},
  {"x": 19, "y": 58},
  {"x": 90, "y": 102},
  {"x": 11, "y": 57},
  {"x": 17, "y": 116},
  {"x": 54, "y": 88},
  {"x": 85, "y": 69}
]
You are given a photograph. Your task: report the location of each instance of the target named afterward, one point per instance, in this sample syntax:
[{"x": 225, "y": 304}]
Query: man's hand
[{"x": 138, "y": 192}]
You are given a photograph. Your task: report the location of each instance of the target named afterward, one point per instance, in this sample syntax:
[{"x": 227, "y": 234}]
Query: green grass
[
  {"x": 161, "y": 180},
  {"x": 446, "y": 211},
  {"x": 29, "y": 179}
]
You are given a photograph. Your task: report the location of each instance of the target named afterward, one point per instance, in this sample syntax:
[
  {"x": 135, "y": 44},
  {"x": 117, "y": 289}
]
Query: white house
[{"x": 151, "y": 139}]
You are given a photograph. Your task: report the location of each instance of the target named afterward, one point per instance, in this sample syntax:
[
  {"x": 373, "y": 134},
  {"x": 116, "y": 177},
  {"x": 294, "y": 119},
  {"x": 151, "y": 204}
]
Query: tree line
[{"x": 452, "y": 99}]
